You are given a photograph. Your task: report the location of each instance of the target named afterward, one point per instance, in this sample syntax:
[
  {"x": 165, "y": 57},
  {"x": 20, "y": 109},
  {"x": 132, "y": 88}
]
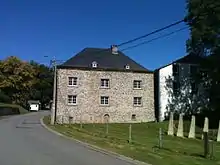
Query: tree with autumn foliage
[
  {"x": 21, "y": 81},
  {"x": 16, "y": 79}
]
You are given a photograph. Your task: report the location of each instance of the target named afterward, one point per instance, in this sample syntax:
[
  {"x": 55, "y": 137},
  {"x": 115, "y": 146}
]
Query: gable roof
[
  {"x": 188, "y": 59},
  {"x": 105, "y": 61}
]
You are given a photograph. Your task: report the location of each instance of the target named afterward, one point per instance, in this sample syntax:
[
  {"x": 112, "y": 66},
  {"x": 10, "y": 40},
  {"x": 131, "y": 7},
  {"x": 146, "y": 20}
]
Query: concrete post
[
  {"x": 180, "y": 126},
  {"x": 206, "y": 126},
  {"x": 218, "y": 136},
  {"x": 170, "y": 128},
  {"x": 192, "y": 128}
]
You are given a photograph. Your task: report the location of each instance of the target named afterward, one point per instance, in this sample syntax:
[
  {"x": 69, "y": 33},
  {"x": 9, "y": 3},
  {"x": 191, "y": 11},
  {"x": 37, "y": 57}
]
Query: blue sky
[{"x": 34, "y": 29}]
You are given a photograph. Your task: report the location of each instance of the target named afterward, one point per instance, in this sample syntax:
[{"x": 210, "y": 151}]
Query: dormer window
[
  {"x": 94, "y": 64},
  {"x": 127, "y": 66}
]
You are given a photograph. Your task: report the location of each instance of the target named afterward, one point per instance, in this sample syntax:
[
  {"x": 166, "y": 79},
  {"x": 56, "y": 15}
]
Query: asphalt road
[{"x": 23, "y": 141}]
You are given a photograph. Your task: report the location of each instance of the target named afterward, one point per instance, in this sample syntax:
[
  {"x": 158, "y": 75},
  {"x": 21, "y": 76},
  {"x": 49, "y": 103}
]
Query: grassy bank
[
  {"x": 21, "y": 109},
  {"x": 144, "y": 144}
]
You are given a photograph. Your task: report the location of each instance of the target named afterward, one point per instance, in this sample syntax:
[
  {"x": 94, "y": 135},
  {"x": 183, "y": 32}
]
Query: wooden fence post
[
  {"x": 130, "y": 129},
  {"x": 106, "y": 128},
  {"x": 160, "y": 138},
  {"x": 206, "y": 144}
]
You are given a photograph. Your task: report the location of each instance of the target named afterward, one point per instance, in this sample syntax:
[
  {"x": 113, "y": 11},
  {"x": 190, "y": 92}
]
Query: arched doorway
[{"x": 106, "y": 118}]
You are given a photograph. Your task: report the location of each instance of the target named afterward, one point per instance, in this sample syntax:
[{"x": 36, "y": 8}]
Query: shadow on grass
[
  {"x": 156, "y": 148},
  {"x": 197, "y": 155}
]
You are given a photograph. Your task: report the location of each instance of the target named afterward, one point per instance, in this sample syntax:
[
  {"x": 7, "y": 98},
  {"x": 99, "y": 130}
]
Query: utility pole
[{"x": 53, "y": 110}]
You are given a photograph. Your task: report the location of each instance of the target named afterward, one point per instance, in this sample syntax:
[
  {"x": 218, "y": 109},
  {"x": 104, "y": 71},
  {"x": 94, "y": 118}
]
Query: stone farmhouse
[{"x": 103, "y": 85}]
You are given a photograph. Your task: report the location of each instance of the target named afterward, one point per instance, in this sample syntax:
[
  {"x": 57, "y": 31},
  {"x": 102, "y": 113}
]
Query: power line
[
  {"x": 153, "y": 32},
  {"x": 156, "y": 31},
  {"x": 146, "y": 35},
  {"x": 163, "y": 28},
  {"x": 148, "y": 41}
]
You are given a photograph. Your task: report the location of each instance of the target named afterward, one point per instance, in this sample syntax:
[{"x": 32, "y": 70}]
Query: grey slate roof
[
  {"x": 105, "y": 60},
  {"x": 188, "y": 59}
]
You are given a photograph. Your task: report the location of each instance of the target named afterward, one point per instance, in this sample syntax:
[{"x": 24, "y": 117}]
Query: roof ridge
[
  {"x": 105, "y": 60},
  {"x": 95, "y": 48},
  {"x": 179, "y": 60}
]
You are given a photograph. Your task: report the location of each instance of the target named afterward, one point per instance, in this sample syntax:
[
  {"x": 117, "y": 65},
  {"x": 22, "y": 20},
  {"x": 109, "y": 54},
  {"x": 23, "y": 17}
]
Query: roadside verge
[{"x": 95, "y": 148}]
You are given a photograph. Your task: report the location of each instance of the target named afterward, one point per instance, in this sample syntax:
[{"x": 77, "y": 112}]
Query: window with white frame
[
  {"x": 73, "y": 81},
  {"x": 137, "y": 101},
  {"x": 137, "y": 84},
  {"x": 94, "y": 64},
  {"x": 127, "y": 66},
  {"x": 72, "y": 99},
  {"x": 104, "y": 100},
  {"x": 105, "y": 83}
]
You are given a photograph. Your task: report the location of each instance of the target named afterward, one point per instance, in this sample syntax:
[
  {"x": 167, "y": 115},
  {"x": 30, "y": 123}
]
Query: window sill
[
  {"x": 138, "y": 105},
  {"x": 104, "y": 87},
  {"x": 72, "y": 85},
  {"x": 104, "y": 105},
  {"x": 71, "y": 104},
  {"x": 137, "y": 88}
]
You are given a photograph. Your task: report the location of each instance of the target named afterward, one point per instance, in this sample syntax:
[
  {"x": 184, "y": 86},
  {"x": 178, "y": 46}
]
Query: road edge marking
[{"x": 95, "y": 148}]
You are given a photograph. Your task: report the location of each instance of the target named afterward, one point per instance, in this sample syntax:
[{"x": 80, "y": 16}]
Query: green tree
[
  {"x": 203, "y": 17},
  {"x": 4, "y": 98},
  {"x": 185, "y": 99},
  {"x": 43, "y": 88}
]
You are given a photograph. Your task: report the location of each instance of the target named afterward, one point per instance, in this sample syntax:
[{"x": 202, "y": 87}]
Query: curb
[
  {"x": 95, "y": 148},
  {"x": 13, "y": 116}
]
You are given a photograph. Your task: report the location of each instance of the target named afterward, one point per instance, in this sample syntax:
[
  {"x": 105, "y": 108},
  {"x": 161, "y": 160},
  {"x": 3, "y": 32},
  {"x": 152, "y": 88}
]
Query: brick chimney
[{"x": 114, "y": 49}]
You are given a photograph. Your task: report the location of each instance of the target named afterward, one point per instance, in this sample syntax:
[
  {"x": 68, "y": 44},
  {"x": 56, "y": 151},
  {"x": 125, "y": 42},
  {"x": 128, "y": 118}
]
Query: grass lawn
[
  {"x": 181, "y": 151},
  {"x": 21, "y": 109}
]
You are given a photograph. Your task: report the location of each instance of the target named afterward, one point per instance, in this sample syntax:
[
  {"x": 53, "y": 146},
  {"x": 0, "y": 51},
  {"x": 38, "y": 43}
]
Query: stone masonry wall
[{"x": 88, "y": 91}]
